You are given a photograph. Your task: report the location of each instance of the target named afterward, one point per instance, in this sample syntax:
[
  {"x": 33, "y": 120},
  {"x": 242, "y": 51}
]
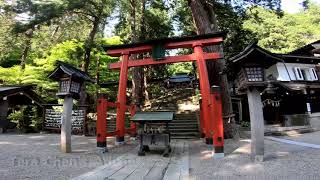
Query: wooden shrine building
[
  {"x": 11, "y": 96},
  {"x": 288, "y": 84}
]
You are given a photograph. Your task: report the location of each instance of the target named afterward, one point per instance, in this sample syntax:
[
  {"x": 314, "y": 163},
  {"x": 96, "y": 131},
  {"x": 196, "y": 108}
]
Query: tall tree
[
  {"x": 140, "y": 20},
  {"x": 95, "y": 11},
  {"x": 205, "y": 18},
  {"x": 27, "y": 45}
]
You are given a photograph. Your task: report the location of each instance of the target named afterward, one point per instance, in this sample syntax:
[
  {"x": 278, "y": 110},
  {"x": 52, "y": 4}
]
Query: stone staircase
[
  {"x": 184, "y": 126},
  {"x": 111, "y": 122},
  {"x": 181, "y": 101}
]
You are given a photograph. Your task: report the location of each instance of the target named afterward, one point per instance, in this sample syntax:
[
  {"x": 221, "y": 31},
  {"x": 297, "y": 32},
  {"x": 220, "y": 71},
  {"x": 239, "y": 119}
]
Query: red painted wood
[
  {"x": 112, "y": 104},
  {"x": 202, "y": 129},
  {"x": 131, "y": 131},
  {"x": 204, "y": 89},
  {"x": 122, "y": 98},
  {"x": 211, "y": 128},
  {"x": 167, "y": 60},
  {"x": 190, "y": 44},
  {"x": 101, "y": 120},
  {"x": 172, "y": 45},
  {"x": 217, "y": 126},
  {"x": 132, "y": 50},
  {"x": 110, "y": 134}
]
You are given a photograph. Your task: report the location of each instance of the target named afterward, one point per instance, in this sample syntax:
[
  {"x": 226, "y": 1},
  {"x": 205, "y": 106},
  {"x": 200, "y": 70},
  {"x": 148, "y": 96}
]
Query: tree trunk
[
  {"x": 137, "y": 72},
  {"x": 206, "y": 22},
  {"x": 89, "y": 44},
  {"x": 97, "y": 75},
  {"x": 87, "y": 55},
  {"x": 142, "y": 37},
  {"x": 27, "y": 46}
]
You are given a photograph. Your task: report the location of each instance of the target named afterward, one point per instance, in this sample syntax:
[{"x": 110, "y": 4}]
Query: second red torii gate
[{"x": 211, "y": 121}]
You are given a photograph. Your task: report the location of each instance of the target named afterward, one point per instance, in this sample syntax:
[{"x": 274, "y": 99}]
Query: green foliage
[
  {"x": 286, "y": 33},
  {"x": 27, "y": 118},
  {"x": 64, "y": 30},
  {"x": 23, "y": 118},
  {"x": 157, "y": 21},
  {"x": 68, "y": 51},
  {"x": 9, "y": 44},
  {"x": 180, "y": 68},
  {"x": 16, "y": 116},
  {"x": 245, "y": 124}
]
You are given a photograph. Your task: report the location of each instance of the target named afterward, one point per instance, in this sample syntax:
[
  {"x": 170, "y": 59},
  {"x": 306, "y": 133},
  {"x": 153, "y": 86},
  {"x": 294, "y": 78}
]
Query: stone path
[
  {"x": 150, "y": 167},
  {"x": 316, "y": 146}
]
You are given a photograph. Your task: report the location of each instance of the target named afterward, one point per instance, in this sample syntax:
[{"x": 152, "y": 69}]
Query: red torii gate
[{"x": 211, "y": 121}]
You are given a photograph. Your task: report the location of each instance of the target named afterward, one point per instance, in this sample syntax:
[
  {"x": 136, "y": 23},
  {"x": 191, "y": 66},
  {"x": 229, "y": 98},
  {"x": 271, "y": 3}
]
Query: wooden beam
[
  {"x": 190, "y": 44},
  {"x": 167, "y": 60},
  {"x": 132, "y": 50},
  {"x": 172, "y": 45}
]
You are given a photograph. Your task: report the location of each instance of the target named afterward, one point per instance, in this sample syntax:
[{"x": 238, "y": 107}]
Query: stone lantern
[{"x": 70, "y": 81}]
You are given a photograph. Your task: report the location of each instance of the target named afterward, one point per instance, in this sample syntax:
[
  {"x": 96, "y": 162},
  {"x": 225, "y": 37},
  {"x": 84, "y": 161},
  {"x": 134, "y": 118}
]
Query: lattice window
[
  {"x": 64, "y": 86},
  {"x": 75, "y": 87},
  {"x": 254, "y": 73}
]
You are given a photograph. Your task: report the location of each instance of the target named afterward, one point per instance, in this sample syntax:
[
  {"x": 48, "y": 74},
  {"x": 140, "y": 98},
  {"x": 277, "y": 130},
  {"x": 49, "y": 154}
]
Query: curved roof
[
  {"x": 26, "y": 90},
  {"x": 252, "y": 52},
  {"x": 305, "y": 50},
  {"x": 70, "y": 70}
]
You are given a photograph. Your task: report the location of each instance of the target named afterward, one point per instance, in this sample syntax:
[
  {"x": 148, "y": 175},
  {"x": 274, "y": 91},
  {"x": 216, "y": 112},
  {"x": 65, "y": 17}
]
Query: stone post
[
  {"x": 257, "y": 124},
  {"x": 66, "y": 125}
]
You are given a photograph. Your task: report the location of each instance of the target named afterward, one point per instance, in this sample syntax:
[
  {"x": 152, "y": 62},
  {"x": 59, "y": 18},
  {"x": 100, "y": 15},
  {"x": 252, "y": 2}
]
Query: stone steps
[{"x": 183, "y": 134}]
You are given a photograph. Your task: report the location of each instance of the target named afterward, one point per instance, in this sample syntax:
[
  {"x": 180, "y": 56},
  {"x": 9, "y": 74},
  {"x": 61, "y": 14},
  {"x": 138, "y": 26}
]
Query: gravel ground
[
  {"x": 313, "y": 138},
  {"x": 38, "y": 156},
  {"x": 282, "y": 161}
]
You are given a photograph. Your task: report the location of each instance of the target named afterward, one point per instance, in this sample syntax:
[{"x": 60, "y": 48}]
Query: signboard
[{"x": 53, "y": 119}]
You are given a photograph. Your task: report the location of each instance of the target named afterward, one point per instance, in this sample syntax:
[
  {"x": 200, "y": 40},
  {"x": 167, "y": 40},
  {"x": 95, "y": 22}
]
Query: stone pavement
[
  {"x": 38, "y": 156},
  {"x": 282, "y": 161},
  {"x": 150, "y": 167}
]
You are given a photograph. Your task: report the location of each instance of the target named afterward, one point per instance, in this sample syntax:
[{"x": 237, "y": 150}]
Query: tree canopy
[{"x": 38, "y": 33}]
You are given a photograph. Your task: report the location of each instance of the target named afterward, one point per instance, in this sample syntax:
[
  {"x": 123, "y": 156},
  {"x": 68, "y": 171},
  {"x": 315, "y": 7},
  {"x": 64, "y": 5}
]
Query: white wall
[{"x": 286, "y": 72}]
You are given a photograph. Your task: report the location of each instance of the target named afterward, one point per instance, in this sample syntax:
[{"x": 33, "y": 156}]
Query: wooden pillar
[
  {"x": 257, "y": 124},
  {"x": 4, "y": 108},
  {"x": 217, "y": 124},
  {"x": 202, "y": 130},
  {"x": 122, "y": 98},
  {"x": 66, "y": 125},
  {"x": 306, "y": 93},
  {"x": 205, "y": 91},
  {"x": 101, "y": 124}
]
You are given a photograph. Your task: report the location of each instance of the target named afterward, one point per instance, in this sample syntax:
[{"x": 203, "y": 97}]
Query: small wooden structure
[
  {"x": 70, "y": 81},
  {"x": 154, "y": 130},
  {"x": 15, "y": 95}
]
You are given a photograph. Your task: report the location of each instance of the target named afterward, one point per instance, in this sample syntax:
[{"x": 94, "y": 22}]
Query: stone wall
[{"x": 315, "y": 121}]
